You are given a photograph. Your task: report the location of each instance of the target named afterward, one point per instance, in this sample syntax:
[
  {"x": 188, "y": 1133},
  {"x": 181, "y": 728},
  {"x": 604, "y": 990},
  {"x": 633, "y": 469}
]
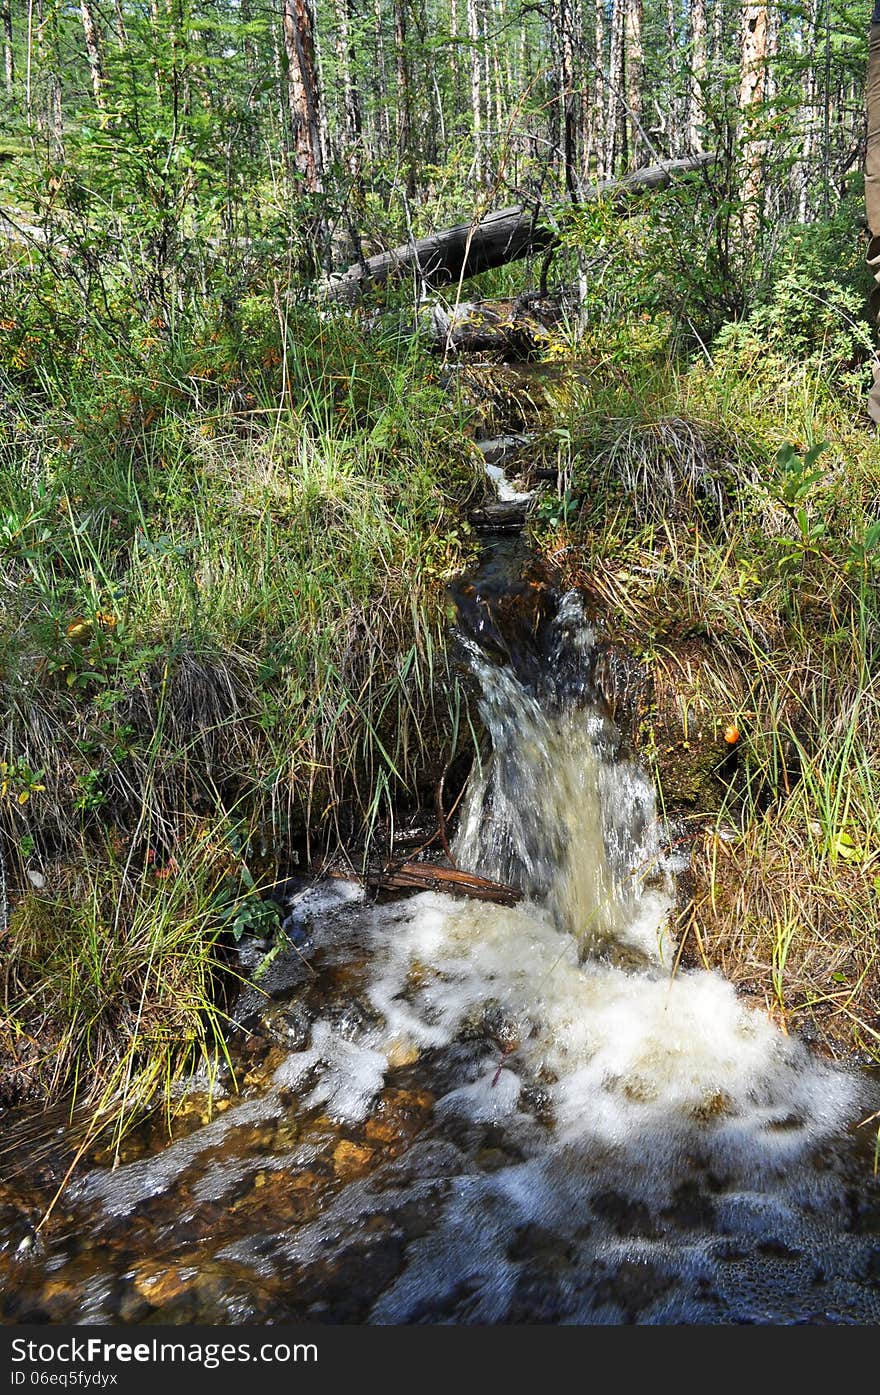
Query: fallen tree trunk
[
  {"x": 429, "y": 876},
  {"x": 500, "y": 516},
  {"x": 501, "y": 237}
]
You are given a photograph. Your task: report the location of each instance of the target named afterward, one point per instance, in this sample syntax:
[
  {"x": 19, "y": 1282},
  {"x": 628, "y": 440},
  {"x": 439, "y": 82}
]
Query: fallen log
[
  {"x": 427, "y": 876},
  {"x": 499, "y": 450},
  {"x": 500, "y": 516},
  {"x": 506, "y": 235}
]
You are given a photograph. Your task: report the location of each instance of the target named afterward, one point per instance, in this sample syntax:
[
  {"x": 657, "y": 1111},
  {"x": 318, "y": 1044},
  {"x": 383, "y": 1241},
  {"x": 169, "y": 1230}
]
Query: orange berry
[{"x": 731, "y": 734}]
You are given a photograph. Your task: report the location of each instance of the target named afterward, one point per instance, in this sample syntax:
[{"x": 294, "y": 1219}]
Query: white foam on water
[
  {"x": 641, "y": 1067},
  {"x": 348, "y": 1075},
  {"x": 507, "y": 492}
]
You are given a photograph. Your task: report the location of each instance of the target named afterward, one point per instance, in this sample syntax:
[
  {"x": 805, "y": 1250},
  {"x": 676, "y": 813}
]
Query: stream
[{"x": 448, "y": 1111}]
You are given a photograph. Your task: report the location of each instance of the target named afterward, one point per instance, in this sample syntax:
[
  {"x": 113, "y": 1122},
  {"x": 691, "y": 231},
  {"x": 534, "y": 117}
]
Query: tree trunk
[
  {"x": 751, "y": 94},
  {"x": 405, "y": 153},
  {"x": 29, "y": 85},
  {"x": 698, "y": 73},
  {"x": 599, "y": 124},
  {"x": 180, "y": 84},
  {"x": 350, "y": 115},
  {"x": 50, "y": 114},
  {"x": 155, "y": 25},
  {"x": 675, "y": 117},
  {"x": 92, "y": 36},
  {"x": 616, "y": 118},
  {"x": 303, "y": 94},
  {"x": 717, "y": 34},
  {"x": 807, "y": 47},
  {"x": 473, "y": 22},
  {"x": 569, "y": 97},
  {"x": 453, "y": 58},
  {"x": 121, "y": 32},
  {"x": 382, "y": 130},
  {"x": 634, "y": 63},
  {"x": 8, "y": 49},
  {"x": 281, "y": 95}
]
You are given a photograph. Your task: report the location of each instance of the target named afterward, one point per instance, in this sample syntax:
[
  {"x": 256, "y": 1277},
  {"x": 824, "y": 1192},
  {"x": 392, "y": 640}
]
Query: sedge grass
[{"x": 215, "y": 616}]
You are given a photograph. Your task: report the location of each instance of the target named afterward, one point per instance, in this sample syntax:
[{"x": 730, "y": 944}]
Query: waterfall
[{"x": 555, "y": 812}]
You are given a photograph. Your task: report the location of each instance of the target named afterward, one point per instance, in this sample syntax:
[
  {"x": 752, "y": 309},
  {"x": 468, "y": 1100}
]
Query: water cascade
[{"x": 492, "y": 1114}]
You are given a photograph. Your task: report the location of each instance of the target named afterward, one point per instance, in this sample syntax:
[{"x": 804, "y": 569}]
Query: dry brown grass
[{"x": 796, "y": 932}]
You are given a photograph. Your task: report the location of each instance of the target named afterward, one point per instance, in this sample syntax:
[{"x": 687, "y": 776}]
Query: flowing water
[{"x": 458, "y": 1112}]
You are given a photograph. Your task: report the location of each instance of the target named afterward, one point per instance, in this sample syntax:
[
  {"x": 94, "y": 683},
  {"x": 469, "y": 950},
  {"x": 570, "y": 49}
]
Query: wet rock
[
  {"x": 625, "y": 1215},
  {"x": 260, "y": 1077},
  {"x": 351, "y": 1159},
  {"x": 60, "y": 1299},
  {"x": 417, "y": 1218},
  {"x": 632, "y": 1287},
  {"x": 691, "y": 1209},
  {"x": 402, "y": 1053},
  {"x": 286, "y": 1024},
  {"x": 344, "y": 1289},
  {"x": 399, "y": 1115},
  {"x": 159, "y": 1283},
  {"x": 713, "y": 1107},
  {"x": 502, "y": 450},
  {"x": 490, "y": 1022},
  {"x": 774, "y": 1248},
  {"x": 491, "y": 1159},
  {"x": 533, "y": 1242},
  {"x": 538, "y": 1300},
  {"x": 353, "y": 1018}
]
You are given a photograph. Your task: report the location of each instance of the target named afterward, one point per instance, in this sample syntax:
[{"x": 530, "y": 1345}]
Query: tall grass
[{"x": 223, "y": 628}]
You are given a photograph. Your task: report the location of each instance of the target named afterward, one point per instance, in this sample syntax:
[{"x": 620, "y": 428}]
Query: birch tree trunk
[
  {"x": 382, "y": 127},
  {"x": 405, "y": 153},
  {"x": 8, "y": 49},
  {"x": 616, "y": 111},
  {"x": 119, "y": 25},
  {"x": 50, "y": 111},
  {"x": 349, "y": 98},
  {"x": 807, "y": 46},
  {"x": 473, "y": 24},
  {"x": 675, "y": 118},
  {"x": 598, "y": 122},
  {"x": 717, "y": 34}
]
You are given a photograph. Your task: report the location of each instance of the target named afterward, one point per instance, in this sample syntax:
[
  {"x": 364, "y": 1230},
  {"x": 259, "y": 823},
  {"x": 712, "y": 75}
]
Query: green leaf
[{"x": 813, "y": 454}]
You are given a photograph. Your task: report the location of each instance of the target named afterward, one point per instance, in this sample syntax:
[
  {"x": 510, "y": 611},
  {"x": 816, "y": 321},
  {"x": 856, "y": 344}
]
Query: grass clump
[{"x": 222, "y": 609}]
